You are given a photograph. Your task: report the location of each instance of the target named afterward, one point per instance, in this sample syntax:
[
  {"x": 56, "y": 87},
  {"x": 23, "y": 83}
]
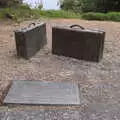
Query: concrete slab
[{"x": 43, "y": 93}]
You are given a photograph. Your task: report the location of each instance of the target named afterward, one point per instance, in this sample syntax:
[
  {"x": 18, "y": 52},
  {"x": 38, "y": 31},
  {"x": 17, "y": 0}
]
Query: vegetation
[
  {"x": 94, "y": 9},
  {"x": 71, "y": 9},
  {"x": 91, "y": 5},
  {"x": 24, "y": 12},
  {"x": 59, "y": 14},
  {"x": 17, "y": 13},
  {"x": 111, "y": 16},
  {"x": 9, "y": 3}
]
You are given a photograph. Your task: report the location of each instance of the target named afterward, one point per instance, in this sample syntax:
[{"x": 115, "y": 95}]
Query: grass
[
  {"x": 18, "y": 13},
  {"x": 111, "y": 16},
  {"x": 59, "y": 14},
  {"x": 24, "y": 12}
]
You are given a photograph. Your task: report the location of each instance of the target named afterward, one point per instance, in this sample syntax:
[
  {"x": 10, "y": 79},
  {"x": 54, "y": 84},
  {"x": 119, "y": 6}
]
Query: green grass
[
  {"x": 114, "y": 16},
  {"x": 59, "y": 14},
  {"x": 111, "y": 16},
  {"x": 19, "y": 13},
  {"x": 24, "y": 12}
]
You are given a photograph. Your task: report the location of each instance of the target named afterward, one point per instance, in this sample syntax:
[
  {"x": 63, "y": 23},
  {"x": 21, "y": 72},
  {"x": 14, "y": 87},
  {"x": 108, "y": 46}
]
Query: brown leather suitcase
[
  {"x": 77, "y": 42},
  {"x": 30, "y": 40}
]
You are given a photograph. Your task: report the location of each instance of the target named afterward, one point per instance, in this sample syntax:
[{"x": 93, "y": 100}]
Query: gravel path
[{"x": 99, "y": 82}]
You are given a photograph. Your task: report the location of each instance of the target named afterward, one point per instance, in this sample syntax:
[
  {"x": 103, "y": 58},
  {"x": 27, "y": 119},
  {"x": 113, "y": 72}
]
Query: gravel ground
[{"x": 99, "y": 82}]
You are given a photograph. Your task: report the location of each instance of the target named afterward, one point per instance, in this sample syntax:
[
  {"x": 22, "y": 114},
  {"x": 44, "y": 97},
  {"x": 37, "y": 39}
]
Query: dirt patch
[
  {"x": 4, "y": 87},
  {"x": 99, "y": 82}
]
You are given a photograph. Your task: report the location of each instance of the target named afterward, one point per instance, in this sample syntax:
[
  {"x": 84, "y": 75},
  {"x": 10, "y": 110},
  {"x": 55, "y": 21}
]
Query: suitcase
[
  {"x": 30, "y": 40},
  {"x": 77, "y": 42}
]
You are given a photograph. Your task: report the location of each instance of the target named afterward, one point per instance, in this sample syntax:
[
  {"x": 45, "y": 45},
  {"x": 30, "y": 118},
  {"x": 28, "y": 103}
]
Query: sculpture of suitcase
[
  {"x": 78, "y": 42},
  {"x": 30, "y": 40}
]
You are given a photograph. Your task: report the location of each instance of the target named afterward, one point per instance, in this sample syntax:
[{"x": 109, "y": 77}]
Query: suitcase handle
[
  {"x": 31, "y": 24},
  {"x": 72, "y": 26}
]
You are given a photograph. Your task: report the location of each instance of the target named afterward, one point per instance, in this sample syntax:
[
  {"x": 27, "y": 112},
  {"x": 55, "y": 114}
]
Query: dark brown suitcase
[
  {"x": 78, "y": 42},
  {"x": 30, "y": 40}
]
